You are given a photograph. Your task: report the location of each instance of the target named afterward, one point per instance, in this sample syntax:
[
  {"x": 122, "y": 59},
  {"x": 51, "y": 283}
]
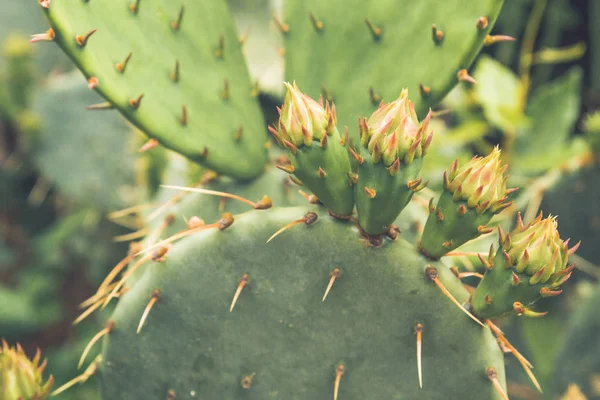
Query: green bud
[{"x": 21, "y": 378}]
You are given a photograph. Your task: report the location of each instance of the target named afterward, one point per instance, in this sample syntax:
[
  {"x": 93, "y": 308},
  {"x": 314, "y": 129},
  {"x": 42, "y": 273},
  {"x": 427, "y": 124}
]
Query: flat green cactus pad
[
  {"x": 176, "y": 72},
  {"x": 281, "y": 341},
  {"x": 343, "y": 49}
]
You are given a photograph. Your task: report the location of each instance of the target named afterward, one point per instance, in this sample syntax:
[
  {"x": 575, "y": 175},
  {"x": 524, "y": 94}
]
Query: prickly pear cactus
[
  {"x": 384, "y": 46},
  {"x": 175, "y": 70},
  {"x": 20, "y": 377}
]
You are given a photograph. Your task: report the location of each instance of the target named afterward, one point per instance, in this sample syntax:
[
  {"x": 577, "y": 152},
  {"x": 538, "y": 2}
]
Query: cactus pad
[
  {"x": 281, "y": 340},
  {"x": 357, "y": 53},
  {"x": 175, "y": 71}
]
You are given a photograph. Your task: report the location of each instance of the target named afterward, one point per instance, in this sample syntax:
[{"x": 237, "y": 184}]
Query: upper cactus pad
[
  {"x": 175, "y": 70},
  {"x": 359, "y": 52}
]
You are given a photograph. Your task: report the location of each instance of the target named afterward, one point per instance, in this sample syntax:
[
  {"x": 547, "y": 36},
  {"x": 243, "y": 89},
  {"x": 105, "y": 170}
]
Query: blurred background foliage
[{"x": 64, "y": 170}]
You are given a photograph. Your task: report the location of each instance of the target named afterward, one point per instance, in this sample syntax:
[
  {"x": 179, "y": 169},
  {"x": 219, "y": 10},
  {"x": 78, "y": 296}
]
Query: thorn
[
  {"x": 447, "y": 244},
  {"x": 394, "y": 168},
  {"x": 463, "y": 275},
  {"x": 281, "y": 51},
  {"x": 290, "y": 146},
  {"x": 359, "y": 159},
  {"x": 431, "y": 206},
  {"x": 573, "y": 249},
  {"x": 225, "y": 92},
  {"x": 176, "y": 25},
  {"x": 334, "y": 275},
  {"x": 482, "y": 23},
  {"x": 263, "y": 204},
  {"x": 344, "y": 138},
  {"x": 419, "y": 333},
  {"x": 244, "y": 37},
  {"x": 91, "y": 370},
  {"x": 537, "y": 277},
  {"x": 243, "y": 282},
  {"x": 220, "y": 49},
  {"x": 371, "y": 193},
  {"x": 515, "y": 281},
  {"x": 171, "y": 394},
  {"x": 47, "y": 36},
  {"x": 439, "y": 215},
  {"x": 325, "y": 93},
  {"x": 463, "y": 76},
  {"x": 493, "y": 39},
  {"x": 44, "y": 3},
  {"x": 184, "y": 116},
  {"x": 149, "y": 145},
  {"x": 204, "y": 152},
  {"x": 488, "y": 299},
  {"x": 318, "y": 25},
  {"x": 507, "y": 260},
  {"x": 462, "y": 210},
  {"x": 547, "y": 292},
  {"x": 246, "y": 381},
  {"x": 493, "y": 376},
  {"x": 484, "y": 230},
  {"x": 353, "y": 178},
  {"x": 312, "y": 199},
  {"x": 122, "y": 65},
  {"x": 412, "y": 185},
  {"x": 432, "y": 274},
  {"x": 438, "y": 34},
  {"x": 520, "y": 309},
  {"x": 93, "y": 83},
  {"x": 295, "y": 180},
  {"x": 308, "y": 219},
  {"x": 134, "y": 6},
  {"x": 286, "y": 168},
  {"x": 375, "y": 31},
  {"x": 283, "y": 27},
  {"x": 135, "y": 103},
  {"x": 94, "y": 305},
  {"x": 109, "y": 327},
  {"x": 375, "y": 98},
  {"x": 133, "y": 249},
  {"x": 324, "y": 141},
  {"x": 82, "y": 39},
  {"x": 425, "y": 90},
  {"x": 175, "y": 74},
  {"x": 339, "y": 372},
  {"x": 154, "y": 297}
]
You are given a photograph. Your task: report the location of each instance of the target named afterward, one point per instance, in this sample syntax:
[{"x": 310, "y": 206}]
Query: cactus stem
[
  {"x": 149, "y": 145},
  {"x": 438, "y": 34},
  {"x": 175, "y": 74},
  {"x": 263, "y": 204},
  {"x": 100, "y": 106},
  {"x": 184, "y": 116},
  {"x": 482, "y": 23},
  {"x": 463, "y": 76},
  {"x": 93, "y": 83},
  {"x": 463, "y": 275},
  {"x": 44, "y": 3},
  {"x": 339, "y": 372},
  {"x": 375, "y": 98},
  {"x": 91, "y": 370},
  {"x": 107, "y": 329},
  {"x": 134, "y": 6},
  {"x": 371, "y": 193},
  {"x": 493, "y": 39},
  {"x": 492, "y": 375},
  {"x": 334, "y": 275},
  {"x": 375, "y": 31},
  {"x": 176, "y": 25},
  {"x": 122, "y": 65},
  {"x": 154, "y": 297},
  {"x": 83, "y": 39},
  {"x": 243, "y": 282},
  {"x": 425, "y": 90},
  {"x": 283, "y": 27},
  {"x": 419, "y": 334},
  {"x": 318, "y": 25},
  {"x": 359, "y": 159},
  {"x": 135, "y": 103},
  {"x": 47, "y": 36},
  {"x": 308, "y": 219},
  {"x": 432, "y": 274}
]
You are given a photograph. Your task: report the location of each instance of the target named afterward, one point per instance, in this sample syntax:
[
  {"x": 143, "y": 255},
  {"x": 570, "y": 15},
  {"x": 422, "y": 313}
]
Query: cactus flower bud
[
  {"x": 316, "y": 151},
  {"x": 393, "y": 131},
  {"x": 21, "y": 378},
  {"x": 532, "y": 263},
  {"x": 303, "y": 119},
  {"x": 472, "y": 195}
]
